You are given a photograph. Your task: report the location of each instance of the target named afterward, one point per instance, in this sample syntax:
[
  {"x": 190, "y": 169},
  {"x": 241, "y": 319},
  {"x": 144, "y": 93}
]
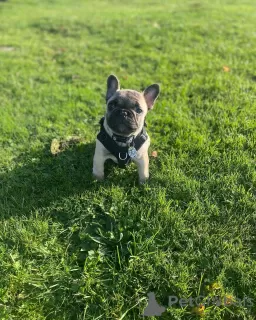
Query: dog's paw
[
  {"x": 98, "y": 177},
  {"x": 143, "y": 180}
]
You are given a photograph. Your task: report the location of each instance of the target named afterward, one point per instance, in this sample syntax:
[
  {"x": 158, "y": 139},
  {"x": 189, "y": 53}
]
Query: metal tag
[{"x": 132, "y": 152}]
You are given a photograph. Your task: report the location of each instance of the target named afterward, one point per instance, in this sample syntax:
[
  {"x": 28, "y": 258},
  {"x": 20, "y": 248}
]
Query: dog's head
[{"x": 127, "y": 109}]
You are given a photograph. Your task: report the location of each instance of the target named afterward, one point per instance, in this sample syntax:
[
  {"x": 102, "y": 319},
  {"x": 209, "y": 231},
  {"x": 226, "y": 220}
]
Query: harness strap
[{"x": 121, "y": 153}]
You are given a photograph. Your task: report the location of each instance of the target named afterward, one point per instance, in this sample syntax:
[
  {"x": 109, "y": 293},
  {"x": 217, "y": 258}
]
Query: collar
[
  {"x": 122, "y": 139},
  {"x": 123, "y": 154}
]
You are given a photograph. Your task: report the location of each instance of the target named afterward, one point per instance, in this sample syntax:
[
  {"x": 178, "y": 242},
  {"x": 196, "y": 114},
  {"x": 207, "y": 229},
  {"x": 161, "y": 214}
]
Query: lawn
[{"x": 73, "y": 248}]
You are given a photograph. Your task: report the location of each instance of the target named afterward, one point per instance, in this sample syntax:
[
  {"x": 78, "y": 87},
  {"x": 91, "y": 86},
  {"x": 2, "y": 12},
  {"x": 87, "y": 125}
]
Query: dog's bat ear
[
  {"x": 151, "y": 94},
  {"x": 112, "y": 86}
]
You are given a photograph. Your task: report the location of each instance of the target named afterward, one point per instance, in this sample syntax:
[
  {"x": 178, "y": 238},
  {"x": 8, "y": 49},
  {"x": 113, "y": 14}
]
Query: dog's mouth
[{"x": 122, "y": 121}]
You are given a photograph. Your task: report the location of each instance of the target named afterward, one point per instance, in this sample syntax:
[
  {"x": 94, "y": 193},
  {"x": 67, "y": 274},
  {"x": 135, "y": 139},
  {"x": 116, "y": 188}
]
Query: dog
[{"x": 123, "y": 137}]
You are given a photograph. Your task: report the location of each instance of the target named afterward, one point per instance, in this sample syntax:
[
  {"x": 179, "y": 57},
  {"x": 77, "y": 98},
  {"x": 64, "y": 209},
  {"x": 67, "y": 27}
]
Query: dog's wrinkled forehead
[{"x": 127, "y": 99}]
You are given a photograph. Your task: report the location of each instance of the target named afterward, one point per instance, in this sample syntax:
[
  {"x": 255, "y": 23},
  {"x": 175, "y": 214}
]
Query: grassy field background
[{"x": 72, "y": 248}]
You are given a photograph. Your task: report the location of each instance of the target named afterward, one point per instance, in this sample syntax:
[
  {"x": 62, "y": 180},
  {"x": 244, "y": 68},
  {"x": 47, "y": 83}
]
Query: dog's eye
[{"x": 138, "y": 110}]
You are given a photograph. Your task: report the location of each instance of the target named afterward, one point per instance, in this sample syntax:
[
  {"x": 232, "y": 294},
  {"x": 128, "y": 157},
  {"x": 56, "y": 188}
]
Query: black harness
[{"x": 121, "y": 153}]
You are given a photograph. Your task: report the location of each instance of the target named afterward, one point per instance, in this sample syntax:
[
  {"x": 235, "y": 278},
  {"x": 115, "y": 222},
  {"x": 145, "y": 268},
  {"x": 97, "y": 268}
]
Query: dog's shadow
[{"x": 45, "y": 178}]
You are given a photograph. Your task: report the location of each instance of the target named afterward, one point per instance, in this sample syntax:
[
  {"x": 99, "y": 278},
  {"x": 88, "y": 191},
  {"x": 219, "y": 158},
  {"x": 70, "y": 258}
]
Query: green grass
[{"x": 72, "y": 248}]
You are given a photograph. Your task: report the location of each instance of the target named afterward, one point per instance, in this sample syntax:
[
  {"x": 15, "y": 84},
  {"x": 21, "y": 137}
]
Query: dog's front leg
[
  {"x": 98, "y": 162},
  {"x": 98, "y": 168},
  {"x": 143, "y": 167}
]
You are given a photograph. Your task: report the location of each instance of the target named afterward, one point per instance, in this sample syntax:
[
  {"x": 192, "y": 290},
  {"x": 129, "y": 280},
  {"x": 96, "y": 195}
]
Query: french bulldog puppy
[{"x": 122, "y": 137}]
